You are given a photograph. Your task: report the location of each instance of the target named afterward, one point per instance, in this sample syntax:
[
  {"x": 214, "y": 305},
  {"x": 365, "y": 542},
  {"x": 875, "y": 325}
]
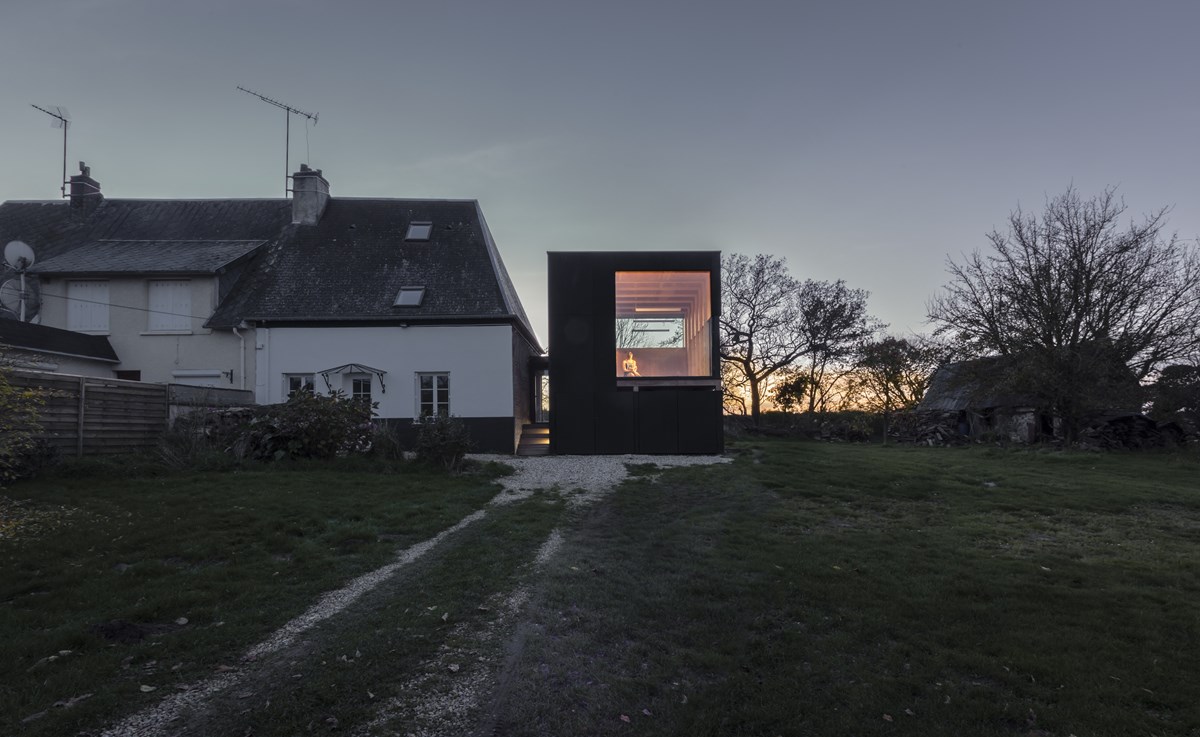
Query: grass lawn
[
  {"x": 864, "y": 590},
  {"x": 110, "y": 584},
  {"x": 805, "y": 589}
]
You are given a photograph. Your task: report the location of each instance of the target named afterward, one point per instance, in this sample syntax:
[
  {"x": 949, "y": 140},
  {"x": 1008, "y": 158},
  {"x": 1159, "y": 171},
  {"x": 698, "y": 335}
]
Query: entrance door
[{"x": 541, "y": 396}]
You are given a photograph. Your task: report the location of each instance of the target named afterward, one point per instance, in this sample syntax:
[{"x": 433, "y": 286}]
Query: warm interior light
[{"x": 658, "y": 309}]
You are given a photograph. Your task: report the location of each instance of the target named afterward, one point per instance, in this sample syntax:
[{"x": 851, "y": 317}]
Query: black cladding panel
[
  {"x": 574, "y": 429},
  {"x": 589, "y": 413},
  {"x": 657, "y": 421},
  {"x": 697, "y": 431},
  {"x": 616, "y": 422}
]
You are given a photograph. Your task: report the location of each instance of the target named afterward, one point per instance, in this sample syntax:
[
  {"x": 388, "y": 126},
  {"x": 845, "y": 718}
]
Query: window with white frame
[
  {"x": 293, "y": 383},
  {"x": 360, "y": 387},
  {"x": 170, "y": 305},
  {"x": 433, "y": 395},
  {"x": 87, "y": 306}
]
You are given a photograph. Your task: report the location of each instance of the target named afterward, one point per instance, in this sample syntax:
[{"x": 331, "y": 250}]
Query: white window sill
[{"x": 167, "y": 332}]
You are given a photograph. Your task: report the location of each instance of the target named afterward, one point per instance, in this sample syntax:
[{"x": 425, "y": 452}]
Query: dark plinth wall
[{"x": 591, "y": 410}]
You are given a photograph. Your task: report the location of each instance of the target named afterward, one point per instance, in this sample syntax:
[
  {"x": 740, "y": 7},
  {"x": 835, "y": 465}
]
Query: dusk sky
[{"x": 860, "y": 140}]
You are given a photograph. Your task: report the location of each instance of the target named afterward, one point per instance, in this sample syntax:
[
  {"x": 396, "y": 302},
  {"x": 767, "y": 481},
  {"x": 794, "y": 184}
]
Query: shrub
[
  {"x": 186, "y": 447},
  {"x": 386, "y": 444},
  {"x": 308, "y": 425},
  {"x": 443, "y": 441},
  {"x": 18, "y": 428}
]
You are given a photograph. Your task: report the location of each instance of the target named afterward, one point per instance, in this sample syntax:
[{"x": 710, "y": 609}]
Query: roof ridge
[
  {"x": 457, "y": 201},
  {"x": 279, "y": 200}
]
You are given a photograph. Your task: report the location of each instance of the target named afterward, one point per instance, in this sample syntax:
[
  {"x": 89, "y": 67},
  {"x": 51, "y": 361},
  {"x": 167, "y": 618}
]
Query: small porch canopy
[{"x": 354, "y": 368}]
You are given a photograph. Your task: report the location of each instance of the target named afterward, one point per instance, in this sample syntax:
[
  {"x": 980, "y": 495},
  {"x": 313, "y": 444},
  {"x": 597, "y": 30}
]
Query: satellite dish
[
  {"x": 10, "y": 296},
  {"x": 18, "y": 255}
]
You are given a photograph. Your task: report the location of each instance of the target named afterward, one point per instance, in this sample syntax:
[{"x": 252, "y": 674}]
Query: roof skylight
[
  {"x": 419, "y": 230},
  {"x": 409, "y": 297}
]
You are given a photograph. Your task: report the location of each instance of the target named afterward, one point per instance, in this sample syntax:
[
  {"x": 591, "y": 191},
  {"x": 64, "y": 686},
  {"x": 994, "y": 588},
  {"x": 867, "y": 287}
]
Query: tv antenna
[
  {"x": 62, "y": 119},
  {"x": 288, "y": 112}
]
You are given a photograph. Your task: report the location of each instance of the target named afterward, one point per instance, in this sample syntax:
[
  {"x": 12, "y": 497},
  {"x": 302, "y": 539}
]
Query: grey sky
[{"x": 861, "y": 140}]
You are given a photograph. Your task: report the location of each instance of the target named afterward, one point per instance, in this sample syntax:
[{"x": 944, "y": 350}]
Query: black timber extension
[{"x": 658, "y": 397}]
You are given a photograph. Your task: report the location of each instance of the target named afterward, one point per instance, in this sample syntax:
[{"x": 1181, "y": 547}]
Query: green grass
[
  {"x": 842, "y": 589},
  {"x": 804, "y": 589},
  {"x": 87, "y": 559},
  {"x": 382, "y": 648}
]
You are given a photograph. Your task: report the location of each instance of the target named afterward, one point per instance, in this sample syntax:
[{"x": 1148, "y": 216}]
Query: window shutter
[
  {"x": 170, "y": 305},
  {"x": 87, "y": 306}
]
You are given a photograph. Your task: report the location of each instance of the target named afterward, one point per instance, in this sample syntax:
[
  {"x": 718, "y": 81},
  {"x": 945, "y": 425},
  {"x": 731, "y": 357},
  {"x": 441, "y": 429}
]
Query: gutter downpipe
[{"x": 242, "y": 371}]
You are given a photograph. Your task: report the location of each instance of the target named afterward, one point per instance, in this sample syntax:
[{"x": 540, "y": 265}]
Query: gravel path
[
  {"x": 157, "y": 720},
  {"x": 581, "y": 479}
]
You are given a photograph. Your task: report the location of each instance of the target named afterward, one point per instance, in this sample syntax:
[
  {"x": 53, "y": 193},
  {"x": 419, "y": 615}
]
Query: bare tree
[
  {"x": 892, "y": 373},
  {"x": 1085, "y": 305},
  {"x": 833, "y": 323},
  {"x": 758, "y": 321},
  {"x": 733, "y": 389}
]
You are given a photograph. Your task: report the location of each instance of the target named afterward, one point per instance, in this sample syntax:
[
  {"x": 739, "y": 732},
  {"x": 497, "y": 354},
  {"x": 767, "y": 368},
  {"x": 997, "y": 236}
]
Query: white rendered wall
[
  {"x": 167, "y": 357},
  {"x": 477, "y": 357}
]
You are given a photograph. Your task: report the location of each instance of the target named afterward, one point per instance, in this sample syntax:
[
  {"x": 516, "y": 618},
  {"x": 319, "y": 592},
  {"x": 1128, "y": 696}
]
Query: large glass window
[{"x": 664, "y": 324}]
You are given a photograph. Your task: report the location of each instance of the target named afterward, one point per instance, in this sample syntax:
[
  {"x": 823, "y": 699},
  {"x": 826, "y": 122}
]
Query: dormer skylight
[
  {"x": 409, "y": 297},
  {"x": 419, "y": 230}
]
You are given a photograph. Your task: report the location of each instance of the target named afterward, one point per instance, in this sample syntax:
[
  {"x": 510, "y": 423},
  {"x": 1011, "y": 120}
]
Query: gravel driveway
[{"x": 581, "y": 479}]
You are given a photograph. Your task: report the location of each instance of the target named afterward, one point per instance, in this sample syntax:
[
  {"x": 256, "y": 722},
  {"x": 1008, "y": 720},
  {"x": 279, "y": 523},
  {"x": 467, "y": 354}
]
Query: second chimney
[
  {"x": 310, "y": 194},
  {"x": 84, "y": 191}
]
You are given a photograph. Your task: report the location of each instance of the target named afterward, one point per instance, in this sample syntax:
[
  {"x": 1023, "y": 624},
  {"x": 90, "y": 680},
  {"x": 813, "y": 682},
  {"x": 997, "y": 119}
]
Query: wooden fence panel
[{"x": 84, "y": 415}]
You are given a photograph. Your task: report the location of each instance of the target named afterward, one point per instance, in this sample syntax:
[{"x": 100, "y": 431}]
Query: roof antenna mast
[
  {"x": 288, "y": 111},
  {"x": 62, "y": 120}
]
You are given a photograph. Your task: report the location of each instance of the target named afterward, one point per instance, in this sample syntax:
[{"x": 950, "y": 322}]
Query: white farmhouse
[{"x": 397, "y": 301}]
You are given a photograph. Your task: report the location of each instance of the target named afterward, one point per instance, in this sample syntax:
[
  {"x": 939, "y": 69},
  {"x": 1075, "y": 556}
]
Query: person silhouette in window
[{"x": 629, "y": 366}]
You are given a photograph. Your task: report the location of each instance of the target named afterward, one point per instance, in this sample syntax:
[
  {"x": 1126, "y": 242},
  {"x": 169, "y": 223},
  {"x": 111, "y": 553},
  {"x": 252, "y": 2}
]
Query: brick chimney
[
  {"x": 310, "y": 194},
  {"x": 84, "y": 191}
]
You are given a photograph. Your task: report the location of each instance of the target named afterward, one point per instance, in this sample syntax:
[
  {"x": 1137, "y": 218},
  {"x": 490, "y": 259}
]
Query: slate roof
[
  {"x": 347, "y": 268},
  {"x": 45, "y": 339},
  {"x": 147, "y": 257},
  {"x": 351, "y": 265},
  {"x": 53, "y": 228},
  {"x": 971, "y": 385}
]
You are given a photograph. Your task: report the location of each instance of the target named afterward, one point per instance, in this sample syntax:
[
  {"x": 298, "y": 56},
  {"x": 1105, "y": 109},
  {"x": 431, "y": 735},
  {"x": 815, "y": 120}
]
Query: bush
[
  {"x": 18, "y": 428},
  {"x": 185, "y": 447},
  {"x": 386, "y": 444},
  {"x": 308, "y": 425},
  {"x": 443, "y": 441},
  {"x": 37, "y": 458}
]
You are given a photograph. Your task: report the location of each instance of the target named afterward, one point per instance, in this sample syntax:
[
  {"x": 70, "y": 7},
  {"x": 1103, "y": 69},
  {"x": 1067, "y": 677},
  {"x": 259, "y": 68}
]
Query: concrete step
[{"x": 535, "y": 440}]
